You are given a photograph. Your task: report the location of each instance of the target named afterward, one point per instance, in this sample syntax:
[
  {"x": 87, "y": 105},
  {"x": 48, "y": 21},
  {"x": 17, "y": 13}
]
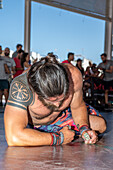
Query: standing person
[
  {"x": 79, "y": 66},
  {"x": 4, "y": 85},
  {"x": 25, "y": 61},
  {"x": 107, "y": 67},
  {"x": 10, "y": 63},
  {"x": 18, "y": 47},
  {"x": 49, "y": 98},
  {"x": 70, "y": 58},
  {"x": 18, "y": 67},
  {"x": 0, "y": 50}
]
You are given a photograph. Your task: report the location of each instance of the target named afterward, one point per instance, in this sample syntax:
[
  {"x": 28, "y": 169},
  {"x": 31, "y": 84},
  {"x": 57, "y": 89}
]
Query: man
[
  {"x": 107, "y": 67},
  {"x": 10, "y": 63},
  {"x": 18, "y": 47},
  {"x": 46, "y": 98},
  {"x": 70, "y": 58},
  {"x": 0, "y": 50},
  {"x": 3, "y": 79}
]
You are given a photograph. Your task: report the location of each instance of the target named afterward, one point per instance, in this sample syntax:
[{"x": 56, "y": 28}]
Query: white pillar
[
  {"x": 108, "y": 32},
  {"x": 27, "y": 25}
]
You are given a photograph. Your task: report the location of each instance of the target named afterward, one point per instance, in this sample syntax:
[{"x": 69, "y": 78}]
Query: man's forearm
[
  {"x": 29, "y": 137},
  {"x": 80, "y": 115}
]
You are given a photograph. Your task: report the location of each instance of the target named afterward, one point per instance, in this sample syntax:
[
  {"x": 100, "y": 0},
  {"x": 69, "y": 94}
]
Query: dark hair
[
  {"x": 18, "y": 45},
  {"x": 23, "y": 59},
  {"x": 48, "y": 78},
  {"x": 70, "y": 53},
  {"x": 21, "y": 51},
  {"x": 79, "y": 60},
  {"x": 103, "y": 54}
]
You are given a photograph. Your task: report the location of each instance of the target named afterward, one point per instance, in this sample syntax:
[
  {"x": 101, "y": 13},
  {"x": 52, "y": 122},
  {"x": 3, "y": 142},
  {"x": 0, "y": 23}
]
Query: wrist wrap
[
  {"x": 83, "y": 128},
  {"x": 57, "y": 138}
]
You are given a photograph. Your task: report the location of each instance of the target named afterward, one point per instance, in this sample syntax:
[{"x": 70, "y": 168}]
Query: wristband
[
  {"x": 83, "y": 128},
  {"x": 57, "y": 138}
]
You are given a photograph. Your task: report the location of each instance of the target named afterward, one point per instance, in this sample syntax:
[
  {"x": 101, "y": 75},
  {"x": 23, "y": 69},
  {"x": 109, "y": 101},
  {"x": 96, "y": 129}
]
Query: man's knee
[
  {"x": 103, "y": 125},
  {"x": 97, "y": 123}
]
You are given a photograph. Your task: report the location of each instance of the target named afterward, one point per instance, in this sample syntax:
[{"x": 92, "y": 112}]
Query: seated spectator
[
  {"x": 70, "y": 58},
  {"x": 18, "y": 47}
]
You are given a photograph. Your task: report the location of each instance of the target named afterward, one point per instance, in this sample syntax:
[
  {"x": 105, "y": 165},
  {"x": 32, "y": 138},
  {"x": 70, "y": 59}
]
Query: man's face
[
  {"x": 103, "y": 58},
  {"x": 0, "y": 49},
  {"x": 53, "y": 103},
  {"x": 6, "y": 51},
  {"x": 19, "y": 48},
  {"x": 71, "y": 57}
]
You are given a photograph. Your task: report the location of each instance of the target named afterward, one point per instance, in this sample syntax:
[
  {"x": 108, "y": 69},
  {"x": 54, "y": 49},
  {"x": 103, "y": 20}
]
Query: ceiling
[{"x": 95, "y": 8}]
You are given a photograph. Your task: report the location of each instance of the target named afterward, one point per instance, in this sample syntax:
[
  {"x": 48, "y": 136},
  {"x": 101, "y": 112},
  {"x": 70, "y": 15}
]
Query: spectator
[
  {"x": 10, "y": 63},
  {"x": 17, "y": 60},
  {"x": 70, "y": 58},
  {"x": 18, "y": 47},
  {"x": 3, "y": 80},
  {"x": 79, "y": 66},
  {"x": 0, "y": 50},
  {"x": 107, "y": 67},
  {"x": 25, "y": 61}
]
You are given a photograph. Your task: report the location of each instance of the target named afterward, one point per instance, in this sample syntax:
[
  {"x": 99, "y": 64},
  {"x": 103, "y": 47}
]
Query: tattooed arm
[{"x": 16, "y": 119}]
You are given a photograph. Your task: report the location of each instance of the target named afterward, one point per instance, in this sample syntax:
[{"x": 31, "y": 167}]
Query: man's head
[
  {"x": 0, "y": 49},
  {"x": 49, "y": 80},
  {"x": 79, "y": 61},
  {"x": 104, "y": 57},
  {"x": 20, "y": 54},
  {"x": 7, "y": 52},
  {"x": 18, "y": 47},
  {"x": 70, "y": 56}
]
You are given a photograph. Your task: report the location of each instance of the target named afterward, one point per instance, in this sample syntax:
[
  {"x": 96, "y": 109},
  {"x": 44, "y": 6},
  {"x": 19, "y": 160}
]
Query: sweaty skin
[{"x": 26, "y": 107}]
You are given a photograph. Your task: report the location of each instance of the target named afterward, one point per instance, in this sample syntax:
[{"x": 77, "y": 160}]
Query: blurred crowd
[{"x": 11, "y": 67}]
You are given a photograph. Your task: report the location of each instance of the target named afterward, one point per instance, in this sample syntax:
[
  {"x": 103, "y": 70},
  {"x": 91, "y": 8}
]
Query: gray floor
[{"x": 76, "y": 155}]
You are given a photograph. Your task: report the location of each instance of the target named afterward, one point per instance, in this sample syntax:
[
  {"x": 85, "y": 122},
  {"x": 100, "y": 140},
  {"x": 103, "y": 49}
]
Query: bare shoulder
[
  {"x": 76, "y": 77},
  {"x": 20, "y": 95}
]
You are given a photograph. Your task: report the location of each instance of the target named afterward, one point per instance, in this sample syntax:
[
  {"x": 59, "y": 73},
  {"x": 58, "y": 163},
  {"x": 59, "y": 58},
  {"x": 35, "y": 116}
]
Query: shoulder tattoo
[
  {"x": 19, "y": 92},
  {"x": 19, "y": 95}
]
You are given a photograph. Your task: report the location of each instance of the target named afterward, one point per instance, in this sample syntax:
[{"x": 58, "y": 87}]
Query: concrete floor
[{"x": 74, "y": 156}]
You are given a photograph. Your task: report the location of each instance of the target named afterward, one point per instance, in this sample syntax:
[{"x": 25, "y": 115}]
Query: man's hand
[
  {"x": 68, "y": 134},
  {"x": 93, "y": 138}
]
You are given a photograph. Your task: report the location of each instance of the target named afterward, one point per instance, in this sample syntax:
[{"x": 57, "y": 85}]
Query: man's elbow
[{"x": 12, "y": 140}]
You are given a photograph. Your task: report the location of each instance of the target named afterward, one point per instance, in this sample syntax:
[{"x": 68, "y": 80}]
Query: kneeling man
[{"x": 46, "y": 107}]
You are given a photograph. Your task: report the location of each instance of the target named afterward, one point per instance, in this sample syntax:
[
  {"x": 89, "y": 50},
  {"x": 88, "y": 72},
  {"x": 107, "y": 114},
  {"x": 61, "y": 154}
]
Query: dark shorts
[
  {"x": 108, "y": 84},
  {"x": 65, "y": 119},
  {"x": 4, "y": 84}
]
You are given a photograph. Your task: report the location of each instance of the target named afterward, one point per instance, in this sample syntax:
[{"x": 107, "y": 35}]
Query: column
[{"x": 27, "y": 25}]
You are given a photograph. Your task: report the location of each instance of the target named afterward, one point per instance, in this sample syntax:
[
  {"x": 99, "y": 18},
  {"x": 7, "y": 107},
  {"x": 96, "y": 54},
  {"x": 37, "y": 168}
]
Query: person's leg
[
  {"x": 106, "y": 96},
  {"x": 1, "y": 91},
  {"x": 6, "y": 93},
  {"x": 97, "y": 123},
  {"x": 1, "y": 95}
]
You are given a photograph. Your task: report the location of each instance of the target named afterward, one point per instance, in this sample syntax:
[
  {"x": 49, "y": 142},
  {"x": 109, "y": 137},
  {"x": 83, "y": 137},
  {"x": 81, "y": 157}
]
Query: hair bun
[{"x": 49, "y": 59}]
